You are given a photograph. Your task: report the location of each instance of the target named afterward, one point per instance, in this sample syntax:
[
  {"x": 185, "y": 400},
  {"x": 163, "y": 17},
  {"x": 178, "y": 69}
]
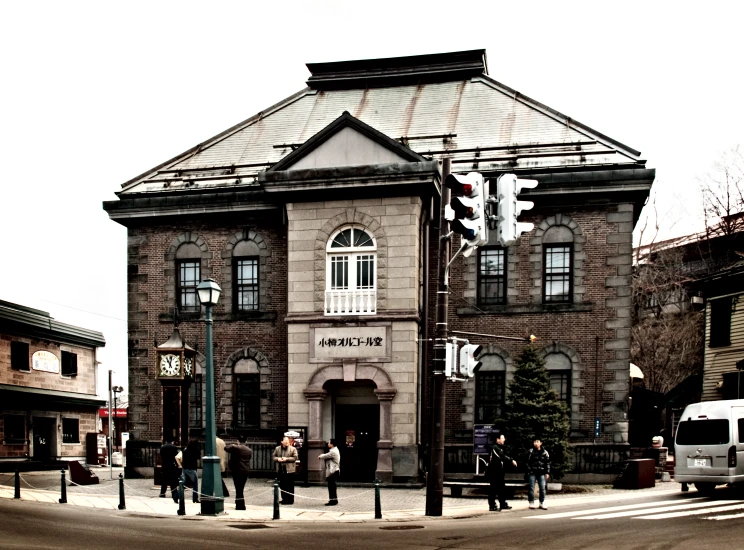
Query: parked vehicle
[{"x": 709, "y": 444}]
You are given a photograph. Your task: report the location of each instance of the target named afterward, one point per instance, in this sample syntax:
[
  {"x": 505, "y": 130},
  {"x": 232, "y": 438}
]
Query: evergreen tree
[{"x": 533, "y": 410}]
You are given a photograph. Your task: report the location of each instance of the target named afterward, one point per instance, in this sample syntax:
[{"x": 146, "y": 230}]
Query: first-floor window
[
  {"x": 489, "y": 395},
  {"x": 560, "y": 382},
  {"x": 195, "y": 403},
  {"x": 14, "y": 428},
  {"x": 70, "y": 430},
  {"x": 247, "y": 400}
]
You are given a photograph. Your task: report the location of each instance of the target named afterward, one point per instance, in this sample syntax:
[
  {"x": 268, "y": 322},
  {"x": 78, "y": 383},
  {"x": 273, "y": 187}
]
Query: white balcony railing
[{"x": 350, "y": 302}]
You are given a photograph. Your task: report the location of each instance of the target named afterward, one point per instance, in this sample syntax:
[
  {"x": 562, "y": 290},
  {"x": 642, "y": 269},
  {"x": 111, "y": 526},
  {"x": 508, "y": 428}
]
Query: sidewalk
[{"x": 355, "y": 504}]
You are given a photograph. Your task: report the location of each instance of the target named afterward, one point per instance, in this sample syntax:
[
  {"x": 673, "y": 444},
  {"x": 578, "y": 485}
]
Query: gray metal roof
[
  {"x": 478, "y": 122},
  {"x": 27, "y": 321},
  {"x": 52, "y": 396}
]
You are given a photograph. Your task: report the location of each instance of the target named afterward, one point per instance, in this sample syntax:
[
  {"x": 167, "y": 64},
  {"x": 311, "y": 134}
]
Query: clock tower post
[{"x": 176, "y": 361}]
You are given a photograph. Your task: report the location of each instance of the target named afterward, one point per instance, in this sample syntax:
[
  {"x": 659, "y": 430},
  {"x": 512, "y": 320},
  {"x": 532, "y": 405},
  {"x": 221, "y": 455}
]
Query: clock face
[
  {"x": 170, "y": 365},
  {"x": 188, "y": 366}
]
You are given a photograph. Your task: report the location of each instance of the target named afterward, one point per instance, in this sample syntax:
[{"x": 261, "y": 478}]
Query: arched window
[
  {"x": 558, "y": 265},
  {"x": 351, "y": 279},
  {"x": 490, "y": 386},
  {"x": 247, "y": 392},
  {"x": 559, "y": 372},
  {"x": 245, "y": 276},
  {"x": 188, "y": 275}
]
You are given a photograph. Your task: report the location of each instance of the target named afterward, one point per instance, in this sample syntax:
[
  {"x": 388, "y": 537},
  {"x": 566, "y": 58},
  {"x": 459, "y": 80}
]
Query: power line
[{"x": 84, "y": 310}]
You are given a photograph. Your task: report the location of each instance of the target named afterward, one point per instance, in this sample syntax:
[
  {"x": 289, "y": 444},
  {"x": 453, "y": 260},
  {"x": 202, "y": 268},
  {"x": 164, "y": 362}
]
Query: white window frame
[{"x": 350, "y": 299}]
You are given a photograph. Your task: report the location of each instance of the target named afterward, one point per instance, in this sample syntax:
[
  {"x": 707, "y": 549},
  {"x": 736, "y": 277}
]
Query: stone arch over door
[
  {"x": 316, "y": 393},
  {"x": 264, "y": 370}
]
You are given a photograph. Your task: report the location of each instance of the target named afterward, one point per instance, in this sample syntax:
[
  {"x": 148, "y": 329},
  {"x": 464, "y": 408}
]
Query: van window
[
  {"x": 741, "y": 430},
  {"x": 703, "y": 432}
]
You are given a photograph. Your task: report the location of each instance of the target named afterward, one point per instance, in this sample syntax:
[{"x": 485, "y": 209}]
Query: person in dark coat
[
  {"x": 190, "y": 462},
  {"x": 239, "y": 462},
  {"x": 538, "y": 469},
  {"x": 169, "y": 469},
  {"x": 497, "y": 462}
]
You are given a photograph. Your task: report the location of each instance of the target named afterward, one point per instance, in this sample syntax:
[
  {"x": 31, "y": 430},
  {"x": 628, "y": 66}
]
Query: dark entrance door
[
  {"x": 171, "y": 413},
  {"x": 43, "y": 432},
  {"x": 357, "y": 433}
]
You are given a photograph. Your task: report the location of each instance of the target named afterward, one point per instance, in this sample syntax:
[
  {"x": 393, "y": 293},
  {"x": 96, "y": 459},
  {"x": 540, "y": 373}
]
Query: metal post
[
  {"x": 378, "y": 506},
  {"x": 212, "y": 502},
  {"x": 110, "y": 430},
  {"x": 435, "y": 476},
  {"x": 63, "y": 490},
  {"x": 181, "y": 504},
  {"x": 276, "y": 499},
  {"x": 17, "y": 484},
  {"x": 122, "y": 503}
]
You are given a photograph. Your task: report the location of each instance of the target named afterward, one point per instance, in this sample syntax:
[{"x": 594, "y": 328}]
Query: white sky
[{"x": 95, "y": 93}]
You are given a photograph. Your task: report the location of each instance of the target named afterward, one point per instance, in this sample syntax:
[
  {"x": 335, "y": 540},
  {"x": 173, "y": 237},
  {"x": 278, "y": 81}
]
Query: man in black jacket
[
  {"x": 169, "y": 469},
  {"x": 240, "y": 466},
  {"x": 538, "y": 469},
  {"x": 495, "y": 474}
]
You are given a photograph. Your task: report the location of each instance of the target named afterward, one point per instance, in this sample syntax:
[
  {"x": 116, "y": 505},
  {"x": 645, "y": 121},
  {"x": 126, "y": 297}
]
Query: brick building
[
  {"x": 318, "y": 219},
  {"x": 47, "y": 386}
]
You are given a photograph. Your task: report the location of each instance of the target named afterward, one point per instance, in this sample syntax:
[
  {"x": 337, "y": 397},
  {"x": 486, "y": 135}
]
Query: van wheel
[{"x": 705, "y": 488}]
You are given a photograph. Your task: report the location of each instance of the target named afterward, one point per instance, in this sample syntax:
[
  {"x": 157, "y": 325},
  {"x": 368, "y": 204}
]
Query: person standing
[
  {"x": 285, "y": 456},
  {"x": 332, "y": 470},
  {"x": 240, "y": 466},
  {"x": 190, "y": 462},
  {"x": 495, "y": 474},
  {"x": 538, "y": 469},
  {"x": 223, "y": 464},
  {"x": 169, "y": 469}
]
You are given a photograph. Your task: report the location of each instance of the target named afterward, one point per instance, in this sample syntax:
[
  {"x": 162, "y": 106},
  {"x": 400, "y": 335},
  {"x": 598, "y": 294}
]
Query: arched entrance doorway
[{"x": 357, "y": 414}]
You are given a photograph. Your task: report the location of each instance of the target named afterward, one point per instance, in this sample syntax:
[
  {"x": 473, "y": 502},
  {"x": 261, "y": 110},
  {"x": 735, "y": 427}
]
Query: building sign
[
  {"x": 45, "y": 361},
  {"x": 369, "y": 343},
  {"x": 484, "y": 436}
]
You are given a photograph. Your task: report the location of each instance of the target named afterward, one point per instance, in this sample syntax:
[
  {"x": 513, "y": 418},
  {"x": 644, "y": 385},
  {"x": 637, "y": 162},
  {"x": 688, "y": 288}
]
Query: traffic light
[
  {"x": 508, "y": 188},
  {"x": 450, "y": 359},
  {"x": 466, "y": 211},
  {"x": 469, "y": 365}
]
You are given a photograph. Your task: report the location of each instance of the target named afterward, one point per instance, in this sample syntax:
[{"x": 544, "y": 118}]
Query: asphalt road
[{"x": 684, "y": 520}]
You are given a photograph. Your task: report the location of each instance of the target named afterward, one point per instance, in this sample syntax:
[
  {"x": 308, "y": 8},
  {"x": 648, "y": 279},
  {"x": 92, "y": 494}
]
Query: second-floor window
[
  {"x": 19, "y": 356},
  {"x": 246, "y": 284},
  {"x": 492, "y": 275},
  {"x": 351, "y": 279},
  {"x": 189, "y": 273},
  {"x": 69, "y": 364},
  {"x": 557, "y": 273},
  {"x": 720, "y": 322}
]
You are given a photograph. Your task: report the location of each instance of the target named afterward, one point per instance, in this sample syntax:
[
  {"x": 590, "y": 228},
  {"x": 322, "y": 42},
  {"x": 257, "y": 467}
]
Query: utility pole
[
  {"x": 435, "y": 477},
  {"x": 110, "y": 431}
]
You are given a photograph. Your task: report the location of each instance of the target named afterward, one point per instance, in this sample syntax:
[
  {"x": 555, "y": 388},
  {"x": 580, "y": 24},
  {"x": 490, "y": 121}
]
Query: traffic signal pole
[{"x": 435, "y": 476}]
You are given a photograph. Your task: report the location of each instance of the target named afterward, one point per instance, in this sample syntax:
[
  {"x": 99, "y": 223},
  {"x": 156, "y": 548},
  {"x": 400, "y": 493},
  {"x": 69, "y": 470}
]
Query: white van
[{"x": 709, "y": 444}]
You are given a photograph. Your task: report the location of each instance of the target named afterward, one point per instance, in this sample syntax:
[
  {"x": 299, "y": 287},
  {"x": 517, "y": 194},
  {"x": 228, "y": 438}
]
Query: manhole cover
[
  {"x": 401, "y": 527},
  {"x": 143, "y": 516},
  {"x": 248, "y": 526},
  {"x": 457, "y": 537}
]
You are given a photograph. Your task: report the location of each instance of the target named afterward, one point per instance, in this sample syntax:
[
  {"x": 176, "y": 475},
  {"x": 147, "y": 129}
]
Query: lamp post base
[{"x": 212, "y": 501}]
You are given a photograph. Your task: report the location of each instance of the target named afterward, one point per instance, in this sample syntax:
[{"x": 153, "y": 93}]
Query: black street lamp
[{"x": 212, "y": 501}]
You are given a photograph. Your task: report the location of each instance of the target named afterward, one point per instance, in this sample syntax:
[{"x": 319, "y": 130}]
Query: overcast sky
[{"x": 95, "y": 93}]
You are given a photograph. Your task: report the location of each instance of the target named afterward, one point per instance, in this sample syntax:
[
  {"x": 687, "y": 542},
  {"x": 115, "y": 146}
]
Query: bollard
[
  {"x": 17, "y": 484},
  {"x": 63, "y": 496},
  {"x": 276, "y": 499},
  {"x": 181, "y": 505},
  {"x": 122, "y": 504},
  {"x": 378, "y": 506}
]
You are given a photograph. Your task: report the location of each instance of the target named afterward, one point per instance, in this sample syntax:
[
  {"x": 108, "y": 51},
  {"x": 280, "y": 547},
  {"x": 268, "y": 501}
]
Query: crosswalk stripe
[
  {"x": 726, "y": 516},
  {"x": 694, "y": 512},
  {"x": 657, "y": 513},
  {"x": 614, "y": 508}
]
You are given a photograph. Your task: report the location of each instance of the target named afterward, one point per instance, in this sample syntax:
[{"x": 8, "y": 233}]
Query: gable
[{"x": 347, "y": 147}]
